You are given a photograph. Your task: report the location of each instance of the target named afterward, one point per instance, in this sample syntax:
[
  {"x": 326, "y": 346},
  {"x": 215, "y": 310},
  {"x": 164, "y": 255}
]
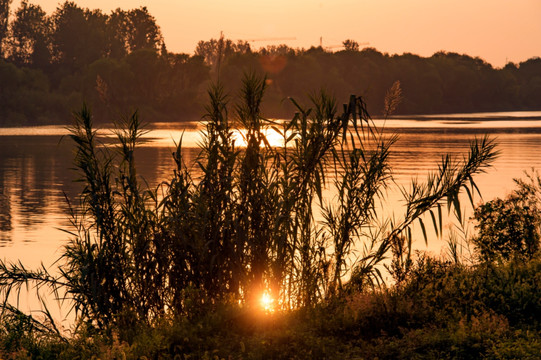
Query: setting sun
[{"x": 267, "y": 302}]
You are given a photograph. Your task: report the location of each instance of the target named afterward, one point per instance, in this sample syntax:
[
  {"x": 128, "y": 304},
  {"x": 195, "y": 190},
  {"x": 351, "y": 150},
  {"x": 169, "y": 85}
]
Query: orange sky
[{"x": 495, "y": 30}]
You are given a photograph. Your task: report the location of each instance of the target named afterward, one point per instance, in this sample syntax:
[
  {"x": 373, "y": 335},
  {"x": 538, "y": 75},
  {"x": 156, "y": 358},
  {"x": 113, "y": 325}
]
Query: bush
[{"x": 510, "y": 228}]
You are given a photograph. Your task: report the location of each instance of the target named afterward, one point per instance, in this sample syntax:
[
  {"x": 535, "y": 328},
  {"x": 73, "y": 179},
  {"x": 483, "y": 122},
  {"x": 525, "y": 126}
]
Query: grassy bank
[{"x": 442, "y": 311}]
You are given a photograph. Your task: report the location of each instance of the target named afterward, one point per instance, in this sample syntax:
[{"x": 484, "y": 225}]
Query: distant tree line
[{"x": 117, "y": 62}]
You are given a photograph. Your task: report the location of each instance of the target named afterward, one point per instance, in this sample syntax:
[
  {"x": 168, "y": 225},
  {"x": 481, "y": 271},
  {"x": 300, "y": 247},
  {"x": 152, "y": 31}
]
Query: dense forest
[{"x": 117, "y": 62}]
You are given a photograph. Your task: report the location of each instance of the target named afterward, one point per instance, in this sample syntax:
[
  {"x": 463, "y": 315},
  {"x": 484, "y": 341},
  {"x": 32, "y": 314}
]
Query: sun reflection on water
[{"x": 273, "y": 138}]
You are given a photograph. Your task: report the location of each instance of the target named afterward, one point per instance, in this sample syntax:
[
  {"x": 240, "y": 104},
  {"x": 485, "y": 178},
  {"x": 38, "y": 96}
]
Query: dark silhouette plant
[{"x": 242, "y": 220}]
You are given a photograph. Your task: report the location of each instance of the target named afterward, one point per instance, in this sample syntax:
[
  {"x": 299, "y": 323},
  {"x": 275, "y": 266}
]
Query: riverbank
[{"x": 442, "y": 311}]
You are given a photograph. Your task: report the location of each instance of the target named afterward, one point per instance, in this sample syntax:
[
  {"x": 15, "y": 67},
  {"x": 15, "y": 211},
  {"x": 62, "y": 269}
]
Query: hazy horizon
[{"x": 497, "y": 31}]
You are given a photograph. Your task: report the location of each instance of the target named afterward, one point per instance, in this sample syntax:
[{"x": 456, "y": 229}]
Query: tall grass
[{"x": 249, "y": 219}]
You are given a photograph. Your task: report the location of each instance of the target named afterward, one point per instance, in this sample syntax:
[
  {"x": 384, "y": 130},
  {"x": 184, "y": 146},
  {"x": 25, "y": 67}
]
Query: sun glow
[
  {"x": 267, "y": 302},
  {"x": 273, "y": 138}
]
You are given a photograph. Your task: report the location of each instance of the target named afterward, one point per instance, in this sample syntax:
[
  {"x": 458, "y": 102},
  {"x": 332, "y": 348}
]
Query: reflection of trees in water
[
  {"x": 5, "y": 209},
  {"x": 32, "y": 178},
  {"x": 5, "y": 204},
  {"x": 35, "y": 174},
  {"x": 155, "y": 164}
]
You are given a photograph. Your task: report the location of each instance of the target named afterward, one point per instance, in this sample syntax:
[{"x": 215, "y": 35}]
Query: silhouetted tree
[
  {"x": 350, "y": 45},
  {"x": 530, "y": 74},
  {"x": 4, "y": 17},
  {"x": 142, "y": 31},
  {"x": 30, "y": 36},
  {"x": 277, "y": 50},
  {"x": 79, "y": 35},
  {"x": 117, "y": 34},
  {"x": 215, "y": 51}
]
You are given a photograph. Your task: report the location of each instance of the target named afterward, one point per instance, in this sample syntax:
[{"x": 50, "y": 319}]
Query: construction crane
[{"x": 270, "y": 39}]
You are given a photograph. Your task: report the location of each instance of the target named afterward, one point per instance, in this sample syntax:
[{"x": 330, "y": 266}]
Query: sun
[{"x": 267, "y": 302}]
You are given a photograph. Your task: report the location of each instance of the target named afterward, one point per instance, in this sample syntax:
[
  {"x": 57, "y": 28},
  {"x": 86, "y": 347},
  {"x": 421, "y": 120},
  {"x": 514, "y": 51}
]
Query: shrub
[{"x": 510, "y": 228}]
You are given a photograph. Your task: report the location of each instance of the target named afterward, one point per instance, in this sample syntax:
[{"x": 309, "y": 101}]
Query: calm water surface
[{"x": 35, "y": 175}]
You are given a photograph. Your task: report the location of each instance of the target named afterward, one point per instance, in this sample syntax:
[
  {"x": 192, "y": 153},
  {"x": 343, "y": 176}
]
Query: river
[{"x": 35, "y": 163}]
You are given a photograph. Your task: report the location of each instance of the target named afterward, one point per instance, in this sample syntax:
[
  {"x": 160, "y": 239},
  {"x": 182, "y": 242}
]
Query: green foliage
[
  {"x": 26, "y": 98},
  {"x": 443, "y": 311},
  {"x": 510, "y": 228},
  {"x": 21, "y": 337},
  {"x": 443, "y": 291}
]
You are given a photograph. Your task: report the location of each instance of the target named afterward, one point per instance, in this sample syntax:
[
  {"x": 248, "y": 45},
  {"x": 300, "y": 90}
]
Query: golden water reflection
[{"x": 35, "y": 175}]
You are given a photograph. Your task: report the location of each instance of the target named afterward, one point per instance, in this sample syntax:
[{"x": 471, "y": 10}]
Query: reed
[{"x": 248, "y": 222}]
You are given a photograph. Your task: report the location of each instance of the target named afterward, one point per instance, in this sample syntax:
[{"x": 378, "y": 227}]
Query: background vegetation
[{"x": 50, "y": 63}]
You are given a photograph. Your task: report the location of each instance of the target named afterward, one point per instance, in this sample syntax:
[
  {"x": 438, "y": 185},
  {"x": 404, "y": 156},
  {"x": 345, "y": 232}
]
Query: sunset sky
[{"x": 495, "y": 30}]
